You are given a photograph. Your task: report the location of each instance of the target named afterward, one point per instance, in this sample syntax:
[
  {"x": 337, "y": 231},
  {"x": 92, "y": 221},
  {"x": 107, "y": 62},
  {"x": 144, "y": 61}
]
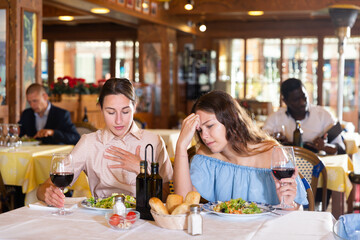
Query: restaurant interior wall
[
  {"x": 300, "y": 53},
  {"x": 20, "y": 38},
  {"x": 317, "y": 28}
]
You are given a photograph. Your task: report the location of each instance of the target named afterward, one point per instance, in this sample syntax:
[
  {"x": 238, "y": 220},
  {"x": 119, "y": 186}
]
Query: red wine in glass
[
  {"x": 62, "y": 179},
  {"x": 283, "y": 166},
  {"x": 61, "y": 175},
  {"x": 280, "y": 173}
]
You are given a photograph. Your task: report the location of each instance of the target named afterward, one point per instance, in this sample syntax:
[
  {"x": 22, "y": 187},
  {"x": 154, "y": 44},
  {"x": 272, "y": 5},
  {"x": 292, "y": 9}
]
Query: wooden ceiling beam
[
  {"x": 123, "y": 15},
  {"x": 218, "y": 6}
]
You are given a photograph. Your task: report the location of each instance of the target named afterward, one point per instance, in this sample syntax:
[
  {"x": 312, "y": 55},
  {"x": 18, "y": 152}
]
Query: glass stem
[
  {"x": 62, "y": 209},
  {"x": 282, "y": 197}
]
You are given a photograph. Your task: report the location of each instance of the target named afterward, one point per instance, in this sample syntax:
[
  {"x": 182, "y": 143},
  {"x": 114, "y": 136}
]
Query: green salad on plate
[{"x": 109, "y": 202}]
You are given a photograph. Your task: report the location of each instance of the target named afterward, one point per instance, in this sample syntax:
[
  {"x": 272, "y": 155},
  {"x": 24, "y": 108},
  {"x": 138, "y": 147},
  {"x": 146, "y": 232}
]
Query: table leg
[
  {"x": 350, "y": 201},
  {"x": 337, "y": 204}
]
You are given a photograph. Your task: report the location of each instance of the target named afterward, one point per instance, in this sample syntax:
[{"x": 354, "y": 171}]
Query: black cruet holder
[{"x": 143, "y": 186}]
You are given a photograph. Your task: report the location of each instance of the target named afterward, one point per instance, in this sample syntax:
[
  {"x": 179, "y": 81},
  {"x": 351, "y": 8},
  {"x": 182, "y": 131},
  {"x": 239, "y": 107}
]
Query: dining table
[
  {"x": 31, "y": 222},
  {"x": 338, "y": 168},
  {"x": 28, "y": 166}
]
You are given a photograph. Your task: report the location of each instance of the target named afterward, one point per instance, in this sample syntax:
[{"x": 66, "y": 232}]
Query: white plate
[
  {"x": 267, "y": 209},
  {"x": 86, "y": 204},
  {"x": 30, "y": 143}
]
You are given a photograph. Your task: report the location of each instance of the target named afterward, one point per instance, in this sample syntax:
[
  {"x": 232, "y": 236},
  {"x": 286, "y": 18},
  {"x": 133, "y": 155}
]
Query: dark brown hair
[
  {"x": 240, "y": 129},
  {"x": 115, "y": 86}
]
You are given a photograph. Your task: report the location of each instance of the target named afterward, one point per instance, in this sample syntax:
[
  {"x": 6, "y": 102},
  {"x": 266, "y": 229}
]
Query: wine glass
[
  {"x": 61, "y": 174},
  {"x": 14, "y": 136},
  {"x": 283, "y": 166},
  {"x": 2, "y": 136},
  {"x": 279, "y": 133}
]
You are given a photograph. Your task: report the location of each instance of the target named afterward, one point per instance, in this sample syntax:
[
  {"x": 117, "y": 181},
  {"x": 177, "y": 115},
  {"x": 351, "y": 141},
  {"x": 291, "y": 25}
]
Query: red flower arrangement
[{"x": 69, "y": 85}]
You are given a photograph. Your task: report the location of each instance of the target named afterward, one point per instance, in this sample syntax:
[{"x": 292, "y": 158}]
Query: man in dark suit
[{"x": 44, "y": 121}]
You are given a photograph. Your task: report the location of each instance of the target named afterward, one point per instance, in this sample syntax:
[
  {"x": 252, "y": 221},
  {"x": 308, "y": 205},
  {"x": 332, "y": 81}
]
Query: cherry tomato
[
  {"x": 114, "y": 220},
  {"x": 131, "y": 216}
]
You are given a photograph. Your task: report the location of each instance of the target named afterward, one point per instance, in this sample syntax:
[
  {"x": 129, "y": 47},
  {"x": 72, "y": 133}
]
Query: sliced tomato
[
  {"x": 131, "y": 216},
  {"x": 114, "y": 220}
]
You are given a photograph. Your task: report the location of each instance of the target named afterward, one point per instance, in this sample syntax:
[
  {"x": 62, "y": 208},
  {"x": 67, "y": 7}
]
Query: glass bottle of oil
[
  {"x": 155, "y": 182},
  {"x": 297, "y": 139}
]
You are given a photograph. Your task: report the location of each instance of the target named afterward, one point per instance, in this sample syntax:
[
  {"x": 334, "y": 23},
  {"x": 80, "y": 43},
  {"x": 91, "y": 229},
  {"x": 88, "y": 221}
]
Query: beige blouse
[{"x": 88, "y": 156}]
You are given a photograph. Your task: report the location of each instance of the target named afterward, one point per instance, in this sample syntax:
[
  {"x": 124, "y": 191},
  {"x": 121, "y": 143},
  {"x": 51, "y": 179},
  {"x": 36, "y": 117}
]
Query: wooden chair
[
  {"x": 84, "y": 128},
  {"x": 6, "y": 197},
  {"x": 139, "y": 123},
  {"x": 310, "y": 195},
  {"x": 310, "y": 166}
]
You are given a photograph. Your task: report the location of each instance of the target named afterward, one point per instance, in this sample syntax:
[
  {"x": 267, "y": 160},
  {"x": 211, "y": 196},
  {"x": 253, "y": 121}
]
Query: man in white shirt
[{"x": 315, "y": 120}]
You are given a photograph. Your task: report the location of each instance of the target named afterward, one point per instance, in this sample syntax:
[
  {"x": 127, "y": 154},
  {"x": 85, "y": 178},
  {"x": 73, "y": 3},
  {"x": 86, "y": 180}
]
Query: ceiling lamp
[
  {"x": 189, "y": 5},
  {"x": 256, "y": 13},
  {"x": 202, "y": 27},
  {"x": 100, "y": 10},
  {"x": 145, "y": 5},
  {"x": 66, "y": 18}
]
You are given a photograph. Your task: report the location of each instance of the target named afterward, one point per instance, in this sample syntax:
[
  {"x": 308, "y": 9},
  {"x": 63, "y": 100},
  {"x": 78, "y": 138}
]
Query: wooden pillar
[
  {"x": 22, "y": 32},
  {"x": 164, "y": 87},
  {"x": 50, "y": 61},
  {"x": 112, "y": 58},
  {"x": 320, "y": 71}
]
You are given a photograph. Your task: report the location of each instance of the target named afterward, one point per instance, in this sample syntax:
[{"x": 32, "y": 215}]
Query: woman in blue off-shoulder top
[{"x": 234, "y": 157}]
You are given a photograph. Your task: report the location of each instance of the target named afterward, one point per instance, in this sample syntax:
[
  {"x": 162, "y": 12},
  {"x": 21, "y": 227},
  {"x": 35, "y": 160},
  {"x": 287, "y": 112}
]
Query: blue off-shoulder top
[{"x": 217, "y": 180}]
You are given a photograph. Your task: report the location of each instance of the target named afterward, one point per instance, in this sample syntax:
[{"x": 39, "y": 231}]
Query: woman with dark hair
[
  {"x": 111, "y": 157},
  {"x": 234, "y": 157}
]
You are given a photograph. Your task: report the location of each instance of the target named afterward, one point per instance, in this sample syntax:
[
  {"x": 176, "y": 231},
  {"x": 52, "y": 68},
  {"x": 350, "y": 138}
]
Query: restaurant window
[
  {"x": 262, "y": 70},
  {"x": 231, "y": 67},
  {"x": 29, "y": 52},
  {"x": 124, "y": 59},
  {"x": 2, "y": 56},
  {"x": 85, "y": 59},
  {"x": 300, "y": 59},
  {"x": 44, "y": 64},
  {"x": 152, "y": 72},
  {"x": 351, "y": 75}
]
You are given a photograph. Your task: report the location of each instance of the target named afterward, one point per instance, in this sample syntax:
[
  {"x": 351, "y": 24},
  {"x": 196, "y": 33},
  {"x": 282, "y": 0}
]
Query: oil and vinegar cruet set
[{"x": 147, "y": 186}]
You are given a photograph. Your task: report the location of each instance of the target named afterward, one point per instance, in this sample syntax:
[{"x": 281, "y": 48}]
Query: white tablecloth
[{"x": 28, "y": 223}]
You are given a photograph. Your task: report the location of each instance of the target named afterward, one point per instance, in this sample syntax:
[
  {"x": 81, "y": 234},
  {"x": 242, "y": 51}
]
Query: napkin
[
  {"x": 349, "y": 226},
  {"x": 70, "y": 203}
]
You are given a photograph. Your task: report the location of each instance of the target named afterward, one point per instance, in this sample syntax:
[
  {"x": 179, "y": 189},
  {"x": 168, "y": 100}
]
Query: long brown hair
[
  {"x": 115, "y": 86},
  {"x": 240, "y": 129}
]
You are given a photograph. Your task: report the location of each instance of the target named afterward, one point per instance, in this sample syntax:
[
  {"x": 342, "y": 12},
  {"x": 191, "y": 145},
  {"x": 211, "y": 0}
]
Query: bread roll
[
  {"x": 192, "y": 197},
  {"x": 158, "y": 206},
  {"x": 181, "y": 209},
  {"x": 172, "y": 201}
]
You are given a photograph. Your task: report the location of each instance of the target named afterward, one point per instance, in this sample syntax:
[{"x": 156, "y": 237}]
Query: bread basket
[{"x": 174, "y": 222}]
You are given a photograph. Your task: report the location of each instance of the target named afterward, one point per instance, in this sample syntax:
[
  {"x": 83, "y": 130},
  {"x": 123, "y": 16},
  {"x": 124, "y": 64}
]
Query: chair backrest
[
  {"x": 84, "y": 128},
  {"x": 310, "y": 195},
  {"x": 139, "y": 123},
  {"x": 310, "y": 166}
]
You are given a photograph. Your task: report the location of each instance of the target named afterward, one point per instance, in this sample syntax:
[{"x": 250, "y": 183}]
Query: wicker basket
[{"x": 178, "y": 222}]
